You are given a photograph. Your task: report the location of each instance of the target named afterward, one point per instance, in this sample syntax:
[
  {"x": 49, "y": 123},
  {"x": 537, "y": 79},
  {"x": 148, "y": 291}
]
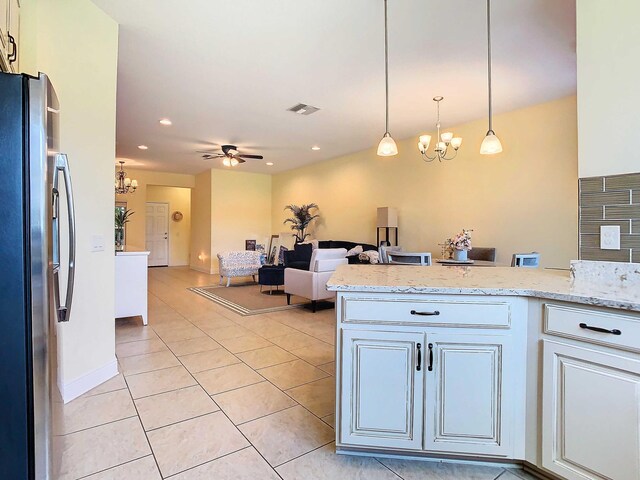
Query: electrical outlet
[
  {"x": 97, "y": 243},
  {"x": 610, "y": 237}
]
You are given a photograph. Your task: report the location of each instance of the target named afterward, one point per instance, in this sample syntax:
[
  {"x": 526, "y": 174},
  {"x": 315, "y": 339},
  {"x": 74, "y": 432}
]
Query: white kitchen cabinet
[
  {"x": 590, "y": 414},
  {"x": 13, "y": 36},
  {"x": 468, "y": 394},
  {"x": 382, "y": 389}
]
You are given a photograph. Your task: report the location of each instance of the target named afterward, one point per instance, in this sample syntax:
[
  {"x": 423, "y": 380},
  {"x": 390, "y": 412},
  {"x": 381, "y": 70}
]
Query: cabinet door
[
  {"x": 381, "y": 389},
  {"x": 14, "y": 31},
  {"x": 590, "y": 414},
  {"x": 469, "y": 394},
  {"x": 4, "y": 26}
]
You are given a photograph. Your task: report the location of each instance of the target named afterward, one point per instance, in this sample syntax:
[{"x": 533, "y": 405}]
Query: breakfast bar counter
[{"x": 536, "y": 368}]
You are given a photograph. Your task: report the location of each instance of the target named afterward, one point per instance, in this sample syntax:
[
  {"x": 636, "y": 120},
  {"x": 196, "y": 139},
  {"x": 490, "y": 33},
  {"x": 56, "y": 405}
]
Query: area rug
[{"x": 246, "y": 299}]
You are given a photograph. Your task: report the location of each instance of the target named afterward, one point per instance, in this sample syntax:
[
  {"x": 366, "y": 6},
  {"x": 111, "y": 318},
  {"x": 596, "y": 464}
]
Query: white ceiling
[{"x": 225, "y": 71}]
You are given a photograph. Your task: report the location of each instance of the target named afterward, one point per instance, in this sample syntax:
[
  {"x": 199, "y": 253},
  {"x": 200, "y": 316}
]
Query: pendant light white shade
[
  {"x": 490, "y": 145},
  {"x": 387, "y": 146}
]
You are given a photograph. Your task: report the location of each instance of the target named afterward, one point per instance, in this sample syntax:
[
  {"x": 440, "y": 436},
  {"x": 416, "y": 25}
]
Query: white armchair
[
  {"x": 238, "y": 264},
  {"x": 312, "y": 283}
]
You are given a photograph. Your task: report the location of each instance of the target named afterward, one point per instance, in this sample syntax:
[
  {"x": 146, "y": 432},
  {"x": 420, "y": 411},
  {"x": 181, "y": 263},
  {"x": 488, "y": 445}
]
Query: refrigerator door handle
[{"x": 62, "y": 166}]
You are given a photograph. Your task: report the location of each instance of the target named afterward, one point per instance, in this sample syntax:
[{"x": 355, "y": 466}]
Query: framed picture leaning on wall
[{"x": 274, "y": 247}]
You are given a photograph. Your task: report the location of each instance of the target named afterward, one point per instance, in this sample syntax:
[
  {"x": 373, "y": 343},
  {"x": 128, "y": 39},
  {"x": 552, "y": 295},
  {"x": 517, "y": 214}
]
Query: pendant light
[
  {"x": 491, "y": 143},
  {"x": 387, "y": 146}
]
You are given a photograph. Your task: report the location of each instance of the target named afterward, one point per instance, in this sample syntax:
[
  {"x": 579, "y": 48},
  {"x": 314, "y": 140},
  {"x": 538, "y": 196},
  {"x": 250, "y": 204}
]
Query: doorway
[{"x": 157, "y": 233}]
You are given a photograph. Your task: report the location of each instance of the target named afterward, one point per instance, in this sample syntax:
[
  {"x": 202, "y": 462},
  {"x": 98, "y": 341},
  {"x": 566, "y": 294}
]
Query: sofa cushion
[
  {"x": 325, "y": 254},
  {"x": 344, "y": 244}
]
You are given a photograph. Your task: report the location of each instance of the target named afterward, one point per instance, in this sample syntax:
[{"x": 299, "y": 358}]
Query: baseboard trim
[
  {"x": 86, "y": 382},
  {"x": 200, "y": 269}
]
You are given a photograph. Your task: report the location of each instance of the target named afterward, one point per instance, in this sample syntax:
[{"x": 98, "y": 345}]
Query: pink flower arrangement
[{"x": 461, "y": 241}]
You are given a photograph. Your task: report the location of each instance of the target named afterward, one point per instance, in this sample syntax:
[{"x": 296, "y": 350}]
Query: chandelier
[
  {"x": 445, "y": 140},
  {"x": 123, "y": 183}
]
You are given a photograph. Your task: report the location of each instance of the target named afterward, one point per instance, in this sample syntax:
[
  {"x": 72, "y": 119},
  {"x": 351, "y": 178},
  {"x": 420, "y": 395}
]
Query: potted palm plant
[
  {"x": 302, "y": 217},
  {"x": 121, "y": 219}
]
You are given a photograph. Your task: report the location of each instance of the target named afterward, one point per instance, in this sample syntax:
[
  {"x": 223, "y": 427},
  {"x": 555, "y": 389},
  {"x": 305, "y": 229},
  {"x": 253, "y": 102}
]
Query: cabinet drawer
[
  {"x": 468, "y": 314},
  {"x": 620, "y": 331}
]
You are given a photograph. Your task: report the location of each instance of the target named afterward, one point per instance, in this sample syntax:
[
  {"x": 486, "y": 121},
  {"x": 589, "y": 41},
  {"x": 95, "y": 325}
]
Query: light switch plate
[
  {"x": 610, "y": 237},
  {"x": 97, "y": 243}
]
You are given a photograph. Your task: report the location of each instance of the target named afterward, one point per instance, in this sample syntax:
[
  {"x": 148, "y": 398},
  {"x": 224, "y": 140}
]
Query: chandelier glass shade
[
  {"x": 123, "y": 183},
  {"x": 443, "y": 142},
  {"x": 387, "y": 146}
]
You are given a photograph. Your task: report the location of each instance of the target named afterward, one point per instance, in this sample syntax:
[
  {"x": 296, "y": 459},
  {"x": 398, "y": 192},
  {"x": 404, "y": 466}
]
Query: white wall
[
  {"x": 608, "y": 49},
  {"x": 76, "y": 44}
]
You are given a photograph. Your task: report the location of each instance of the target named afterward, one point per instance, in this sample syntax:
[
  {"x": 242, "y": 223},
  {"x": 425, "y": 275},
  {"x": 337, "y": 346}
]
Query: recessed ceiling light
[
  {"x": 315, "y": 147},
  {"x": 143, "y": 147},
  {"x": 270, "y": 164},
  {"x": 165, "y": 121}
]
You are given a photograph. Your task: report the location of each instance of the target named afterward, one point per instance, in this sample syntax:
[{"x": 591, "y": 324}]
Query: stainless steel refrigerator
[{"x": 37, "y": 203}]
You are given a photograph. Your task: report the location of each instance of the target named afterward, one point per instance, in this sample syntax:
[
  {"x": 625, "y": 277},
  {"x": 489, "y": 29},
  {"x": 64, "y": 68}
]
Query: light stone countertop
[{"x": 465, "y": 280}]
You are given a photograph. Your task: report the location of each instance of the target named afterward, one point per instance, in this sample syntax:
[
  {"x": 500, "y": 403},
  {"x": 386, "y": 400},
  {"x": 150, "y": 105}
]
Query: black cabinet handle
[
  {"x": 419, "y": 366},
  {"x": 430, "y": 368},
  {"x": 615, "y": 331},
  {"x": 13, "y": 56},
  {"x": 426, "y": 314}
]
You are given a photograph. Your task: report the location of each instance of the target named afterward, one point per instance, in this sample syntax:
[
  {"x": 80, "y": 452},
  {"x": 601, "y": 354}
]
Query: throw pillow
[
  {"x": 357, "y": 250},
  {"x": 303, "y": 251},
  {"x": 313, "y": 243},
  {"x": 370, "y": 255}
]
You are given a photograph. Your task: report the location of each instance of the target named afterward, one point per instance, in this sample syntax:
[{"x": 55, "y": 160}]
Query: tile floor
[{"x": 207, "y": 394}]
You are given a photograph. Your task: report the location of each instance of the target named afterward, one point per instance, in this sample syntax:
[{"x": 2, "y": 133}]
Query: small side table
[{"x": 272, "y": 276}]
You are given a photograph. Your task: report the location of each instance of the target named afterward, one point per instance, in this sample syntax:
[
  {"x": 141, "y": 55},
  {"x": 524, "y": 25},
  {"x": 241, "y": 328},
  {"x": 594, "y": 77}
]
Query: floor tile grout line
[
  {"x": 209, "y": 461},
  {"x": 266, "y": 414},
  {"x": 185, "y": 419},
  {"x": 116, "y": 466},
  {"x": 95, "y": 426},
  {"x": 143, "y": 430},
  {"x": 303, "y": 454},
  {"x": 387, "y": 467}
]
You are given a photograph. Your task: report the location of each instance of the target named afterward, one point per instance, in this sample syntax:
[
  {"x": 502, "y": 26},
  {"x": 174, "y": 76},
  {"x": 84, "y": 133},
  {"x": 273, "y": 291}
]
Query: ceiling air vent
[{"x": 302, "y": 109}]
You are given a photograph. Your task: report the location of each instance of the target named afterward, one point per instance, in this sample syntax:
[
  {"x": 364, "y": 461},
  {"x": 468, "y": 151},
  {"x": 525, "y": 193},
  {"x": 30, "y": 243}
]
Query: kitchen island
[{"x": 523, "y": 366}]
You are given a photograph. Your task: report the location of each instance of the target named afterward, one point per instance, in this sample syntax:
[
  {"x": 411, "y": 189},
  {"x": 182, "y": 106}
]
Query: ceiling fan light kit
[{"x": 230, "y": 155}]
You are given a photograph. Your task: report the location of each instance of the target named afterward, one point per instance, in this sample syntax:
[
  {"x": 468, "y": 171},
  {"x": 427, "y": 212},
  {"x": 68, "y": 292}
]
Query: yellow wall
[
  {"x": 240, "y": 210},
  {"x": 179, "y": 199},
  {"x": 200, "y": 251},
  {"x": 76, "y": 44},
  {"x": 136, "y": 235},
  {"x": 608, "y": 49},
  {"x": 522, "y": 200}
]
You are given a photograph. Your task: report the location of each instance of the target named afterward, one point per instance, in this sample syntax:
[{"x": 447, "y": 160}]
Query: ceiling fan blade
[
  {"x": 257, "y": 157},
  {"x": 208, "y": 156}
]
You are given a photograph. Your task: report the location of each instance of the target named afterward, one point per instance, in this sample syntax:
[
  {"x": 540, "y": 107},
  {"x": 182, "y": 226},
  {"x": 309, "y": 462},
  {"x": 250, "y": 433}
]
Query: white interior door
[{"x": 157, "y": 238}]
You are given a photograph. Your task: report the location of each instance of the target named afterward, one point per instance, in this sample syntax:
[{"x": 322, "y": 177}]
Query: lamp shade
[
  {"x": 387, "y": 217},
  {"x": 387, "y": 146},
  {"x": 490, "y": 145}
]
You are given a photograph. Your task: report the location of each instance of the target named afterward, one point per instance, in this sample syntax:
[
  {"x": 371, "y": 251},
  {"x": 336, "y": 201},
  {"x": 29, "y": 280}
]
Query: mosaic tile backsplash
[{"x": 612, "y": 200}]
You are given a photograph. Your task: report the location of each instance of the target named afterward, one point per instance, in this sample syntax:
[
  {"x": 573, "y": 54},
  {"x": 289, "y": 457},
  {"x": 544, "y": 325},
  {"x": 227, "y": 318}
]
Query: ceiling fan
[{"x": 230, "y": 156}]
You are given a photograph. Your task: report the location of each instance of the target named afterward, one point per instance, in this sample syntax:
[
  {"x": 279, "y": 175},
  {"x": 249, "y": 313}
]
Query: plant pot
[{"x": 460, "y": 255}]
